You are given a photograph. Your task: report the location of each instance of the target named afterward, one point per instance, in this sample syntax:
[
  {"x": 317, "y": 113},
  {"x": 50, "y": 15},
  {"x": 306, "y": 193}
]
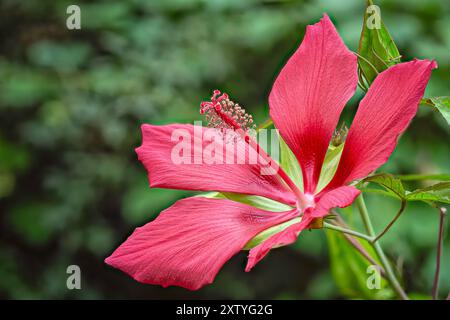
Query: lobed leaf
[
  {"x": 392, "y": 185},
  {"x": 439, "y": 192},
  {"x": 442, "y": 104}
]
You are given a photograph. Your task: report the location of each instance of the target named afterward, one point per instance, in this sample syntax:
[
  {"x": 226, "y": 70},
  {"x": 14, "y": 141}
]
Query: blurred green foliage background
[{"x": 71, "y": 106}]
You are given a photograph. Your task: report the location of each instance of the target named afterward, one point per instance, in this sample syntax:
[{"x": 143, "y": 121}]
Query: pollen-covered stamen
[{"x": 223, "y": 114}]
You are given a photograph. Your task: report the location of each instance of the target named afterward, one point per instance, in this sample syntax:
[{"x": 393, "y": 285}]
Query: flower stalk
[
  {"x": 347, "y": 231},
  {"x": 355, "y": 243},
  {"x": 377, "y": 247}
]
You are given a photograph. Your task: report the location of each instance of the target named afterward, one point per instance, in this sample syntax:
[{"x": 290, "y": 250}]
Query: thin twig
[
  {"x": 402, "y": 208},
  {"x": 442, "y": 213}
]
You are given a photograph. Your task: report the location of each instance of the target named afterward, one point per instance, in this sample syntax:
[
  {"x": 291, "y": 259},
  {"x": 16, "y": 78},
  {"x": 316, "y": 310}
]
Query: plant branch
[
  {"x": 384, "y": 261},
  {"x": 355, "y": 243},
  {"x": 442, "y": 213},
  {"x": 347, "y": 231},
  {"x": 364, "y": 253},
  {"x": 402, "y": 208}
]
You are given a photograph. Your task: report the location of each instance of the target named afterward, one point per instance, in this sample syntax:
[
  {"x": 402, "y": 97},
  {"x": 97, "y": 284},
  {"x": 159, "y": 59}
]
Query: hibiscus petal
[
  {"x": 309, "y": 95},
  {"x": 283, "y": 238},
  {"x": 196, "y": 158},
  {"x": 189, "y": 242},
  {"x": 388, "y": 107},
  {"x": 340, "y": 197}
]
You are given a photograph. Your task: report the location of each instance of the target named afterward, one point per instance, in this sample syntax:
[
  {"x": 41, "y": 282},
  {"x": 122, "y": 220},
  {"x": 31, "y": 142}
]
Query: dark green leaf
[
  {"x": 442, "y": 104},
  {"x": 376, "y": 45},
  {"x": 439, "y": 192},
  {"x": 392, "y": 185}
]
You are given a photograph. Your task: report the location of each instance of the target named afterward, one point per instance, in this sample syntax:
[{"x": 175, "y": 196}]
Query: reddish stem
[{"x": 442, "y": 212}]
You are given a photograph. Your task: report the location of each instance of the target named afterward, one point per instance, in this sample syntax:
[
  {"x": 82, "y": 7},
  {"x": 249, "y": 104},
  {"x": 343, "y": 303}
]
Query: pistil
[{"x": 223, "y": 114}]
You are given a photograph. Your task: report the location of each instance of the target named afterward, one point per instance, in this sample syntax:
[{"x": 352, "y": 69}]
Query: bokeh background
[{"x": 71, "y": 106}]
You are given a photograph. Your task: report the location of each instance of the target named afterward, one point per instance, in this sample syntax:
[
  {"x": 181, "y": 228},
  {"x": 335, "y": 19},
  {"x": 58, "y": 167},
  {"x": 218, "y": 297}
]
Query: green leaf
[
  {"x": 376, "y": 46},
  {"x": 442, "y": 104},
  {"x": 392, "y": 185},
  {"x": 351, "y": 270},
  {"x": 379, "y": 191},
  {"x": 439, "y": 192}
]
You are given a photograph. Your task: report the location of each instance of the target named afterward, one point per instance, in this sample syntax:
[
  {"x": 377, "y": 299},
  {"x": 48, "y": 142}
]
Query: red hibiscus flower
[{"x": 190, "y": 241}]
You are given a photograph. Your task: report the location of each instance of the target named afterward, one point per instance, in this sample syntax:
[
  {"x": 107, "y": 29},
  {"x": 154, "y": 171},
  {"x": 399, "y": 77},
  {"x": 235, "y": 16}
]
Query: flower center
[
  {"x": 307, "y": 202},
  {"x": 222, "y": 113}
]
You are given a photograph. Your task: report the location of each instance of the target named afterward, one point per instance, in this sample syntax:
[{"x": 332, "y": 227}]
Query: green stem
[
  {"x": 384, "y": 261},
  {"x": 357, "y": 245},
  {"x": 347, "y": 231}
]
